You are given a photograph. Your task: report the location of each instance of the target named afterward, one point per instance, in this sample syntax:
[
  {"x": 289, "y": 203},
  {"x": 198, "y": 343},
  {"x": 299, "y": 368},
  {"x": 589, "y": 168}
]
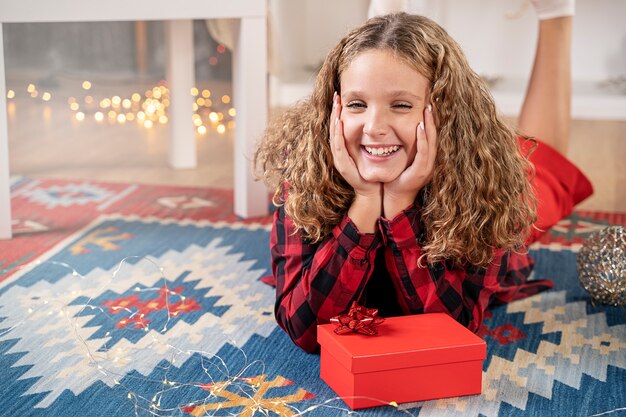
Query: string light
[{"x": 148, "y": 109}]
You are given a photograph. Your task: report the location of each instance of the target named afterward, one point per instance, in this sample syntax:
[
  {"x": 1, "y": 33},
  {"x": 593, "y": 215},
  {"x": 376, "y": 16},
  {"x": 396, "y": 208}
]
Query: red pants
[{"x": 558, "y": 185}]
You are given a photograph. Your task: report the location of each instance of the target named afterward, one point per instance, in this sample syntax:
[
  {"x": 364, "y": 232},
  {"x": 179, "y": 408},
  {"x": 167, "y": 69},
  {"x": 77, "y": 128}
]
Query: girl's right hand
[
  {"x": 342, "y": 160},
  {"x": 367, "y": 204}
]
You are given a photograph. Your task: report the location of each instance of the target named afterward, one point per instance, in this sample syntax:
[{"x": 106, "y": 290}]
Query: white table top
[{"x": 126, "y": 10}]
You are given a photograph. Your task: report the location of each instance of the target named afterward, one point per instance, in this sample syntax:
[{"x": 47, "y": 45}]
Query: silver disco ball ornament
[{"x": 601, "y": 265}]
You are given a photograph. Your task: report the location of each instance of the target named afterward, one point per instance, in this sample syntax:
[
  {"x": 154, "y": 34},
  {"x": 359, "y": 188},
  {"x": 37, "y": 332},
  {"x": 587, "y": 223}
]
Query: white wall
[
  {"x": 497, "y": 44},
  {"x": 304, "y": 31}
]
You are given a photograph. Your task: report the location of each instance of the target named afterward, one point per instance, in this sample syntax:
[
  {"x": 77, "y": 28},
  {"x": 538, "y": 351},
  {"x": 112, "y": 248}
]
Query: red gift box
[{"x": 413, "y": 358}]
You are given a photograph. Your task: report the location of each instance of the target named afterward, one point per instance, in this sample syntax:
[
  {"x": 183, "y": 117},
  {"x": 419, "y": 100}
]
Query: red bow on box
[{"x": 358, "y": 320}]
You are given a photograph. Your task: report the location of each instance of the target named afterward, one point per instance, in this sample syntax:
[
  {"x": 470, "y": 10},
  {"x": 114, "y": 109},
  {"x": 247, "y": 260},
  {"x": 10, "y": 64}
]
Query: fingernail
[
  {"x": 336, "y": 120},
  {"x": 421, "y": 125},
  {"x": 430, "y": 108}
]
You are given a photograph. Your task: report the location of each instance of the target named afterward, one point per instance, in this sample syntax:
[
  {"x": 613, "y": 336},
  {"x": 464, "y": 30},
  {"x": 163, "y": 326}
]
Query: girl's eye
[
  {"x": 403, "y": 106},
  {"x": 356, "y": 105}
]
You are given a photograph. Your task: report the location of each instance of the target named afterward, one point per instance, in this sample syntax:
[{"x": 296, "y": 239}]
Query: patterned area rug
[{"x": 129, "y": 300}]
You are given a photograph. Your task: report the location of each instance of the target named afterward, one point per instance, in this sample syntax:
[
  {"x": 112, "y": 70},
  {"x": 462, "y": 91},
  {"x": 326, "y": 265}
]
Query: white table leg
[
  {"x": 5, "y": 189},
  {"x": 250, "y": 96},
  {"x": 180, "y": 78}
]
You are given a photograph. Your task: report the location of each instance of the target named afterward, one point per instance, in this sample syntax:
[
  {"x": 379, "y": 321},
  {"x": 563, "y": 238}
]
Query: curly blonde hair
[{"x": 480, "y": 197}]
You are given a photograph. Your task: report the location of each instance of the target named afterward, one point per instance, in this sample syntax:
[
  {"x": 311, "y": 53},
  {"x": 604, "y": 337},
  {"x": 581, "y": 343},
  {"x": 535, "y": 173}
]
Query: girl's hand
[
  {"x": 342, "y": 159},
  {"x": 367, "y": 204},
  {"x": 401, "y": 192}
]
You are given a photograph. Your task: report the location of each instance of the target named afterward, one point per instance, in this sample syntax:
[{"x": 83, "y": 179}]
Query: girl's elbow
[{"x": 306, "y": 340}]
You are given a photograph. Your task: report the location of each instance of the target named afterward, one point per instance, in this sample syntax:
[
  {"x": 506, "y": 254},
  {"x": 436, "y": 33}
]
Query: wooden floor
[{"x": 45, "y": 140}]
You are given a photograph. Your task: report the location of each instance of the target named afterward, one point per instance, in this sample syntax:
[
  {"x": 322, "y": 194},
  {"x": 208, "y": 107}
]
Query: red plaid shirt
[{"x": 315, "y": 282}]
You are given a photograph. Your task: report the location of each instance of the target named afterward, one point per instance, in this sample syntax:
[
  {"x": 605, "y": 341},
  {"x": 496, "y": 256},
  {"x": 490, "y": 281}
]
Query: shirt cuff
[
  {"x": 404, "y": 230},
  {"x": 358, "y": 245}
]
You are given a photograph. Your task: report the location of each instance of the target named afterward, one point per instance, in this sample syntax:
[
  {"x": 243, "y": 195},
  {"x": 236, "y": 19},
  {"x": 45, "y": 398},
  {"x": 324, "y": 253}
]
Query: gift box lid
[{"x": 402, "y": 342}]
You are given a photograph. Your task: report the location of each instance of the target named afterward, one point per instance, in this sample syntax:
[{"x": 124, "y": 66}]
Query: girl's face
[{"x": 383, "y": 100}]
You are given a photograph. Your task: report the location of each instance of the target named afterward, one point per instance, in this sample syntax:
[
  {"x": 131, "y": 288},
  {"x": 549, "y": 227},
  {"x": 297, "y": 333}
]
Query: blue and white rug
[{"x": 165, "y": 315}]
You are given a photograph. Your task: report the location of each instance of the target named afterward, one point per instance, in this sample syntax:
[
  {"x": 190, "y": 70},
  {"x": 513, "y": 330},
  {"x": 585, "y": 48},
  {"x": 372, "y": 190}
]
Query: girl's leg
[
  {"x": 546, "y": 110},
  {"x": 558, "y": 184}
]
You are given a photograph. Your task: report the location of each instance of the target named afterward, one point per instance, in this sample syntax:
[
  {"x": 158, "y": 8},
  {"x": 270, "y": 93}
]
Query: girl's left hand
[{"x": 401, "y": 192}]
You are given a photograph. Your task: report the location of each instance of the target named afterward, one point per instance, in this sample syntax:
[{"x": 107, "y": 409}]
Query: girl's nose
[{"x": 375, "y": 124}]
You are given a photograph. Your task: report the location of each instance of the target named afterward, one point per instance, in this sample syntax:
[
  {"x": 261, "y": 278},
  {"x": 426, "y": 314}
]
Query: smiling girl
[{"x": 399, "y": 187}]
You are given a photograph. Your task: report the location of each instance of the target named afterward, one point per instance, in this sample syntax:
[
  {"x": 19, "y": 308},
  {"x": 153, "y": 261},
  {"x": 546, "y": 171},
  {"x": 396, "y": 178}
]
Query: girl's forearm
[
  {"x": 365, "y": 211},
  {"x": 393, "y": 205}
]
